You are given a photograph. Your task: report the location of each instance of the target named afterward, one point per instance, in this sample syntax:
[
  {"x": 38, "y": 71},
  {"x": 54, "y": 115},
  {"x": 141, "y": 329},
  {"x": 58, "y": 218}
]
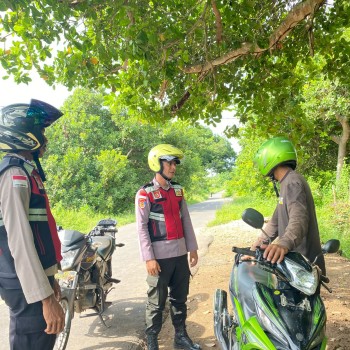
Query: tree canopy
[{"x": 162, "y": 59}]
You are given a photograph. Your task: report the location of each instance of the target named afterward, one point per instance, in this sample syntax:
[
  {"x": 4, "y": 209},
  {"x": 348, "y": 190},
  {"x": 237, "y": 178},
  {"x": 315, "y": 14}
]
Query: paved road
[{"x": 125, "y": 316}]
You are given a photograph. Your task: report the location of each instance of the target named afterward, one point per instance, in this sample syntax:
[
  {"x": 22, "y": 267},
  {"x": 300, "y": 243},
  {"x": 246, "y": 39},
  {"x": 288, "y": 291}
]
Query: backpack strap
[{"x": 10, "y": 161}]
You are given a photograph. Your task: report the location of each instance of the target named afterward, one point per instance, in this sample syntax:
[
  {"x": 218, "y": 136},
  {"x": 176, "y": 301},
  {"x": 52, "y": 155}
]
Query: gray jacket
[{"x": 294, "y": 220}]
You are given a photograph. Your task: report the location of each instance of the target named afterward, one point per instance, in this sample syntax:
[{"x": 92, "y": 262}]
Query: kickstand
[{"x": 103, "y": 321}]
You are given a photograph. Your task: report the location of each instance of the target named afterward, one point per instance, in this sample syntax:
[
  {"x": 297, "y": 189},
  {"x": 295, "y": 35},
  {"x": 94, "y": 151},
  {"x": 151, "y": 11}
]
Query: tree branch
[
  {"x": 245, "y": 49},
  {"x": 217, "y": 22},
  {"x": 295, "y": 16},
  {"x": 177, "y": 106}
]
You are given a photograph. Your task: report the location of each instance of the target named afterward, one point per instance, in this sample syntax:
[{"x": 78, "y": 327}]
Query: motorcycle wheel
[
  {"x": 62, "y": 338},
  {"x": 222, "y": 322}
]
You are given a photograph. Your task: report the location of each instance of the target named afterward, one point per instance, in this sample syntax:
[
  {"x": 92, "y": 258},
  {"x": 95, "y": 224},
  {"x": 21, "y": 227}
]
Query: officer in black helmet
[{"x": 29, "y": 244}]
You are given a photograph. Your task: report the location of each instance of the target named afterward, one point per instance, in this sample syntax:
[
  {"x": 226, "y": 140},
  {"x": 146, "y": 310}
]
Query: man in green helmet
[{"x": 294, "y": 220}]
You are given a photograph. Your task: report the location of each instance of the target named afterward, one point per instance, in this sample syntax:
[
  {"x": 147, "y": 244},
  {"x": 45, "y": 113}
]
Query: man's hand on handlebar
[
  {"x": 272, "y": 252},
  {"x": 258, "y": 244},
  {"x": 275, "y": 253}
]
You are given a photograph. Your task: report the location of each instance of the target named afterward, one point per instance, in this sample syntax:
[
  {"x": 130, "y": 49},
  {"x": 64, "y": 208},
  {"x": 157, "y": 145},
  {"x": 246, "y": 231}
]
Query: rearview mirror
[
  {"x": 331, "y": 246},
  {"x": 253, "y": 218}
]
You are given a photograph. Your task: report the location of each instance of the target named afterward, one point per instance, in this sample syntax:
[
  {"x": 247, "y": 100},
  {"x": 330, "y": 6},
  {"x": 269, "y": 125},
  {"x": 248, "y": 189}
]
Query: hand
[
  {"x": 255, "y": 245},
  {"x": 152, "y": 267},
  {"x": 275, "y": 253},
  {"x": 53, "y": 315},
  {"x": 57, "y": 290},
  {"x": 193, "y": 258}
]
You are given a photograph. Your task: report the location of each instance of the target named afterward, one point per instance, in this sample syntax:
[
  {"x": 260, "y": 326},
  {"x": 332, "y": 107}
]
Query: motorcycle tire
[
  {"x": 221, "y": 319},
  {"x": 62, "y": 338}
]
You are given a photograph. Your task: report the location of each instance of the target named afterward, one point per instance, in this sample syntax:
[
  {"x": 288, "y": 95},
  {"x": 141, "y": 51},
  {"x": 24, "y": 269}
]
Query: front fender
[
  {"x": 251, "y": 331},
  {"x": 69, "y": 294}
]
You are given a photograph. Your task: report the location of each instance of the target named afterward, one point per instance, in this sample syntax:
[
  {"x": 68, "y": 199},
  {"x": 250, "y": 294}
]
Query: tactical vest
[
  {"x": 165, "y": 217},
  {"x": 41, "y": 221}
]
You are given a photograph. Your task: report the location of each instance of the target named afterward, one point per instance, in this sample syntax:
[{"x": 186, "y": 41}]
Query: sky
[{"x": 10, "y": 92}]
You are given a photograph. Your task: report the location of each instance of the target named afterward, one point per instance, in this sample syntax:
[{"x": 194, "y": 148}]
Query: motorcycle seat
[{"x": 104, "y": 245}]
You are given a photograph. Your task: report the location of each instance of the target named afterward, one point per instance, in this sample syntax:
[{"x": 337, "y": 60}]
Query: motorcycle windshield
[{"x": 244, "y": 276}]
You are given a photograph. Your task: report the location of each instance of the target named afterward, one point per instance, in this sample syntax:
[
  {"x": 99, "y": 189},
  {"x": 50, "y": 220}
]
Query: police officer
[
  {"x": 29, "y": 244},
  {"x": 166, "y": 236}
]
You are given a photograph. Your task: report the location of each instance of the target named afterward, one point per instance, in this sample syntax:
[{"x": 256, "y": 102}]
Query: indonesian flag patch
[{"x": 19, "y": 181}]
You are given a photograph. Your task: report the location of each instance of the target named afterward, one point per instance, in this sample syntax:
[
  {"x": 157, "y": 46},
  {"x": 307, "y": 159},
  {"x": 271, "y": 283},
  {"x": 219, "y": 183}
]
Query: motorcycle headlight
[
  {"x": 301, "y": 279},
  {"x": 68, "y": 260}
]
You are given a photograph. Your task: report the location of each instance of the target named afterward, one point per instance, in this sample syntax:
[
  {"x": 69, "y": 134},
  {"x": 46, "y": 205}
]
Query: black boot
[
  {"x": 152, "y": 342},
  {"x": 183, "y": 341}
]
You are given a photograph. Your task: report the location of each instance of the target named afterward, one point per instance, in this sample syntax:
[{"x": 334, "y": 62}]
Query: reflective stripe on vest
[{"x": 35, "y": 214}]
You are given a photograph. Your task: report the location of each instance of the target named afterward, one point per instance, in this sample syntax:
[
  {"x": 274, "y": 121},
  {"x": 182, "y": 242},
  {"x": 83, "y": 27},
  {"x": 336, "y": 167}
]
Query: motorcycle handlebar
[
  {"x": 101, "y": 231},
  {"x": 108, "y": 230},
  {"x": 244, "y": 251}
]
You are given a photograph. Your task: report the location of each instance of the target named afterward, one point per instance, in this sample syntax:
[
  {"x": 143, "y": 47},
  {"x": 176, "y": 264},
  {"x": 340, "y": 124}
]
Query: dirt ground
[{"x": 214, "y": 271}]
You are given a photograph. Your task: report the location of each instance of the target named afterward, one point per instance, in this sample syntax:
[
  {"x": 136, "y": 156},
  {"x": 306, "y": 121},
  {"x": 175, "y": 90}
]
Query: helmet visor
[
  {"x": 42, "y": 113},
  {"x": 170, "y": 158}
]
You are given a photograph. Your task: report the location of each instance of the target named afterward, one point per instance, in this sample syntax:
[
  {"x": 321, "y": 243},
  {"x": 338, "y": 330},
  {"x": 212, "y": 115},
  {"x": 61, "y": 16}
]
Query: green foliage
[
  {"x": 245, "y": 177},
  {"x": 84, "y": 218},
  {"x": 98, "y": 159},
  {"x": 218, "y": 182},
  {"x": 145, "y": 53}
]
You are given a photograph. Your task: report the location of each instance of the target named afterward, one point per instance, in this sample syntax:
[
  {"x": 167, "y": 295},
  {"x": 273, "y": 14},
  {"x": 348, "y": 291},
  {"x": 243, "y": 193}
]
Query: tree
[
  {"x": 98, "y": 159},
  {"x": 329, "y": 102},
  {"x": 163, "y": 59}
]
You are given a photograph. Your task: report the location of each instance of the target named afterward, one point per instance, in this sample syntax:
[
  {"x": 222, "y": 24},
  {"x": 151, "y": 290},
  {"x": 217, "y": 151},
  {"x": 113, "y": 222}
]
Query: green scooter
[{"x": 275, "y": 306}]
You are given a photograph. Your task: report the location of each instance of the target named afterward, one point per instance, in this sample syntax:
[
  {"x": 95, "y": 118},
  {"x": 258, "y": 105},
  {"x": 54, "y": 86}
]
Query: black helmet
[{"x": 21, "y": 125}]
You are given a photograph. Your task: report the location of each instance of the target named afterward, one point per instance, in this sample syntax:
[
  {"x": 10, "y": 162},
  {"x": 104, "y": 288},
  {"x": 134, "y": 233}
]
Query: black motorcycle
[{"x": 86, "y": 272}]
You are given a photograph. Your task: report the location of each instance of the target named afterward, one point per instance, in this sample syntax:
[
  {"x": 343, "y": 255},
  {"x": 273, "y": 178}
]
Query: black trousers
[
  {"x": 172, "y": 281},
  {"x": 27, "y": 323}
]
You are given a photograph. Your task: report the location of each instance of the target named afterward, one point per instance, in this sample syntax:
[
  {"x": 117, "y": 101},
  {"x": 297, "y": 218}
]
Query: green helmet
[
  {"x": 273, "y": 152},
  {"x": 163, "y": 152}
]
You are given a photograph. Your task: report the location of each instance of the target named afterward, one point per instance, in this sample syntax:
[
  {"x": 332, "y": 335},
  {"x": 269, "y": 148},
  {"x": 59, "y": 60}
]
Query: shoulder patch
[
  {"x": 178, "y": 192},
  {"x": 142, "y": 202},
  {"x": 19, "y": 181}
]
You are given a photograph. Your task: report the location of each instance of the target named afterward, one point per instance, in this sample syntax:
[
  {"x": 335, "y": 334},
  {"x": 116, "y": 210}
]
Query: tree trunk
[{"x": 343, "y": 140}]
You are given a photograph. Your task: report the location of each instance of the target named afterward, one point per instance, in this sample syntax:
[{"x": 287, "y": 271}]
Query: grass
[
  {"x": 233, "y": 210},
  {"x": 85, "y": 219}
]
